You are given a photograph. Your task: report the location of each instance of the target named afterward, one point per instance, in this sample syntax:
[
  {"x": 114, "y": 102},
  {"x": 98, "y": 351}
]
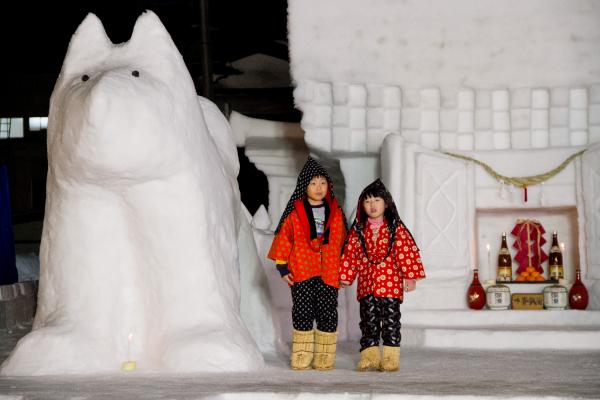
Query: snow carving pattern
[
  {"x": 355, "y": 118},
  {"x": 442, "y": 213},
  {"x": 590, "y": 171}
]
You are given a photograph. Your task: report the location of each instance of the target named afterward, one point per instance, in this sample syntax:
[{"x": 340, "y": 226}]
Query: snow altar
[
  {"x": 387, "y": 87},
  {"x": 139, "y": 247}
]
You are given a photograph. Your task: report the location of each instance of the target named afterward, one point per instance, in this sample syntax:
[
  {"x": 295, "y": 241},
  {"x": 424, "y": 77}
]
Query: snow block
[
  {"x": 578, "y": 98},
  {"x": 500, "y": 100},
  {"x": 483, "y": 99},
  {"x": 521, "y": 98},
  {"x": 448, "y": 140},
  {"x": 374, "y": 117},
  {"x": 578, "y": 119},
  {"x": 448, "y": 120},
  {"x": 483, "y": 119},
  {"x": 539, "y": 119},
  {"x": 579, "y": 138},
  {"x": 430, "y": 98},
  {"x": 484, "y": 140},
  {"x": 392, "y": 97},
  {"x": 391, "y": 120},
  {"x": 357, "y": 96},
  {"x": 430, "y": 140},
  {"x": 466, "y": 99},
  {"x": 341, "y": 116},
  {"x": 559, "y": 97},
  {"x": 559, "y": 137},
  {"x": 540, "y": 139},
  {"x": 340, "y": 93},
  {"x": 540, "y": 98},
  {"x": 322, "y": 93},
  {"x": 559, "y": 116},
  {"x": 594, "y": 116},
  {"x": 430, "y": 120},
  {"x": 411, "y": 118},
  {"x": 465, "y": 141},
  {"x": 501, "y": 140},
  {"x": 465, "y": 121},
  {"x": 501, "y": 120},
  {"x": 520, "y": 118},
  {"x": 520, "y": 139}
]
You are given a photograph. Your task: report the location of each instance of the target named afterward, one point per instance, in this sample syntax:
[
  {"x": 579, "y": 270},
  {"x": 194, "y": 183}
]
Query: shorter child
[
  {"x": 306, "y": 248},
  {"x": 383, "y": 254}
]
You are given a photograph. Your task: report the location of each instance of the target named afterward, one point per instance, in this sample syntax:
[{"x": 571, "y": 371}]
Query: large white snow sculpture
[{"x": 140, "y": 228}]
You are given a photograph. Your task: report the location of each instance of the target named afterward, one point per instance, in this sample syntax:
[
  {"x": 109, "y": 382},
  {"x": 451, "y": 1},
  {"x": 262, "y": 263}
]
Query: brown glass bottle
[
  {"x": 504, "y": 262},
  {"x": 555, "y": 260}
]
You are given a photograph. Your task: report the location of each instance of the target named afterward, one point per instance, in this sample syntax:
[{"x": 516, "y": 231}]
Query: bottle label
[
  {"x": 504, "y": 272},
  {"x": 556, "y": 272}
]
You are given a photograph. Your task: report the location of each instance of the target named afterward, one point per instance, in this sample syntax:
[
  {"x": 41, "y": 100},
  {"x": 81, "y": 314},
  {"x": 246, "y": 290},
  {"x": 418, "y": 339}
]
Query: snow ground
[{"x": 425, "y": 374}]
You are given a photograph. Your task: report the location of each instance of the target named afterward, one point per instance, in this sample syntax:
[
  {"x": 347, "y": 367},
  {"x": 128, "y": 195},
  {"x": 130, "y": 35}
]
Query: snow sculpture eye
[
  {"x": 85, "y": 77},
  {"x": 135, "y": 73}
]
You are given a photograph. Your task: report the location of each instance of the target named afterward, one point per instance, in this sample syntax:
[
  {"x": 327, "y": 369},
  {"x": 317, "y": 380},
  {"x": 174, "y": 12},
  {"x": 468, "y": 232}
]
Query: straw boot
[
  {"x": 391, "y": 359},
  {"x": 325, "y": 346},
  {"x": 369, "y": 359},
  {"x": 303, "y": 347}
]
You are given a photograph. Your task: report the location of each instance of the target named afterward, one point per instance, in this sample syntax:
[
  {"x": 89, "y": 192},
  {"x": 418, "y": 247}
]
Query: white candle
[
  {"x": 487, "y": 246},
  {"x": 129, "y": 338},
  {"x": 562, "y": 246}
]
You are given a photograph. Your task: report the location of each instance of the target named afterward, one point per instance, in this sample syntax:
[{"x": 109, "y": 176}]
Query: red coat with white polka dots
[
  {"x": 383, "y": 279},
  {"x": 308, "y": 258}
]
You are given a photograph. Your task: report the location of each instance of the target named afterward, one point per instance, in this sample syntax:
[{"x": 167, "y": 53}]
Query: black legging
[
  {"x": 379, "y": 316},
  {"x": 313, "y": 299}
]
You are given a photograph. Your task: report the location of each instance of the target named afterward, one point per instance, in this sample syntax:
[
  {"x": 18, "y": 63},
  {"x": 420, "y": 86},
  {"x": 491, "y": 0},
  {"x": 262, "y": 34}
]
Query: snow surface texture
[
  {"x": 425, "y": 43},
  {"x": 141, "y": 217}
]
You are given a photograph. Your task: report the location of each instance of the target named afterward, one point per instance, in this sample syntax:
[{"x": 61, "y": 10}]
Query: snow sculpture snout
[{"x": 139, "y": 253}]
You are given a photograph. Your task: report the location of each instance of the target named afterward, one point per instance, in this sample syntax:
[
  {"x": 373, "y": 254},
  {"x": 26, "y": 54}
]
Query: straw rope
[{"x": 520, "y": 181}]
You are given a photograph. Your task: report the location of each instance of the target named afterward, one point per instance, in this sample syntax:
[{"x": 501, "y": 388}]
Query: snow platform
[
  {"x": 426, "y": 373},
  {"x": 502, "y": 329}
]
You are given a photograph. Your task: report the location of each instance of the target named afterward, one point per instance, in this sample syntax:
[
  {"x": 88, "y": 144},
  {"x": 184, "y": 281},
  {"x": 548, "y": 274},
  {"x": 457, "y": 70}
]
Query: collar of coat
[{"x": 307, "y": 220}]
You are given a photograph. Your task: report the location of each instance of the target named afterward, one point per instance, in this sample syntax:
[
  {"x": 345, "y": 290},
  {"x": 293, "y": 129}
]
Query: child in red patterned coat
[
  {"x": 383, "y": 254},
  {"x": 306, "y": 249}
]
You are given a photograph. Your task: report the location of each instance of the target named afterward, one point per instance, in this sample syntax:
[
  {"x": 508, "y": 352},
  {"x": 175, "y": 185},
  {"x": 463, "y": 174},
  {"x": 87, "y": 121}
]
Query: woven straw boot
[
  {"x": 391, "y": 359},
  {"x": 370, "y": 359},
  {"x": 303, "y": 347},
  {"x": 325, "y": 346}
]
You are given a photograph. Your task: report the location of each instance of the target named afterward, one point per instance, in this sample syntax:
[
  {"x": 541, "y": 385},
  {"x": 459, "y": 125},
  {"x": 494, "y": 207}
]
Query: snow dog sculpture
[{"x": 139, "y": 245}]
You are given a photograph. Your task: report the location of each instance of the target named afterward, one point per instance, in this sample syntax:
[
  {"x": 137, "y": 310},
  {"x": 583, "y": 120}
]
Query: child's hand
[
  {"x": 289, "y": 279},
  {"x": 344, "y": 284},
  {"x": 410, "y": 285}
]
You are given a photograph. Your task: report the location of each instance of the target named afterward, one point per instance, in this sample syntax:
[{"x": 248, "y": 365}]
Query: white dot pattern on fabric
[{"x": 314, "y": 300}]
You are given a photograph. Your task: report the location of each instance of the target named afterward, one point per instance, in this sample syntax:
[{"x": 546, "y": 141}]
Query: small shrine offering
[{"x": 529, "y": 239}]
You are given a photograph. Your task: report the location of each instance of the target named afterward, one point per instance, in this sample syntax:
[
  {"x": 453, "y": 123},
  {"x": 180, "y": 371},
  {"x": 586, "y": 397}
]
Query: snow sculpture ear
[
  {"x": 89, "y": 45},
  {"x": 151, "y": 43}
]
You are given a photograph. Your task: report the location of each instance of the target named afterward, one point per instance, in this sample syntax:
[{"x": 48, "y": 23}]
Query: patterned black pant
[
  {"x": 379, "y": 316},
  {"x": 313, "y": 299}
]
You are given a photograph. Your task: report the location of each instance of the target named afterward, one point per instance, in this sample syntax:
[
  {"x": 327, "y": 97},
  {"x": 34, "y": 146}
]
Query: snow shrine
[{"x": 388, "y": 89}]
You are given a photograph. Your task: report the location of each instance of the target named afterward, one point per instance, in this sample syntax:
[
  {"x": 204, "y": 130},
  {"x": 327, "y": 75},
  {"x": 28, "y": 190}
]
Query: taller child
[{"x": 306, "y": 249}]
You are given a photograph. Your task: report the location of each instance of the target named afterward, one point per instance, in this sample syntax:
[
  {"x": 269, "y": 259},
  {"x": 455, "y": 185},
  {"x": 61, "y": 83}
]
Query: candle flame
[
  {"x": 562, "y": 246},
  {"x": 487, "y": 246},
  {"x": 130, "y": 336}
]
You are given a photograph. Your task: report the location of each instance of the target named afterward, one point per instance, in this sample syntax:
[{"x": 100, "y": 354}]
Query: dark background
[{"x": 33, "y": 42}]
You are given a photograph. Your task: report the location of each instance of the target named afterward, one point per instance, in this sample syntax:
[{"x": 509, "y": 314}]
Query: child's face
[
  {"x": 374, "y": 207},
  {"x": 317, "y": 190}
]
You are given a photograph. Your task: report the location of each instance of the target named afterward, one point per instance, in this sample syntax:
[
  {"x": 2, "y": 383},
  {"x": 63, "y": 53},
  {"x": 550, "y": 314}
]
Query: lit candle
[
  {"x": 489, "y": 262},
  {"x": 129, "y": 337},
  {"x": 562, "y": 247},
  {"x": 129, "y": 365}
]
